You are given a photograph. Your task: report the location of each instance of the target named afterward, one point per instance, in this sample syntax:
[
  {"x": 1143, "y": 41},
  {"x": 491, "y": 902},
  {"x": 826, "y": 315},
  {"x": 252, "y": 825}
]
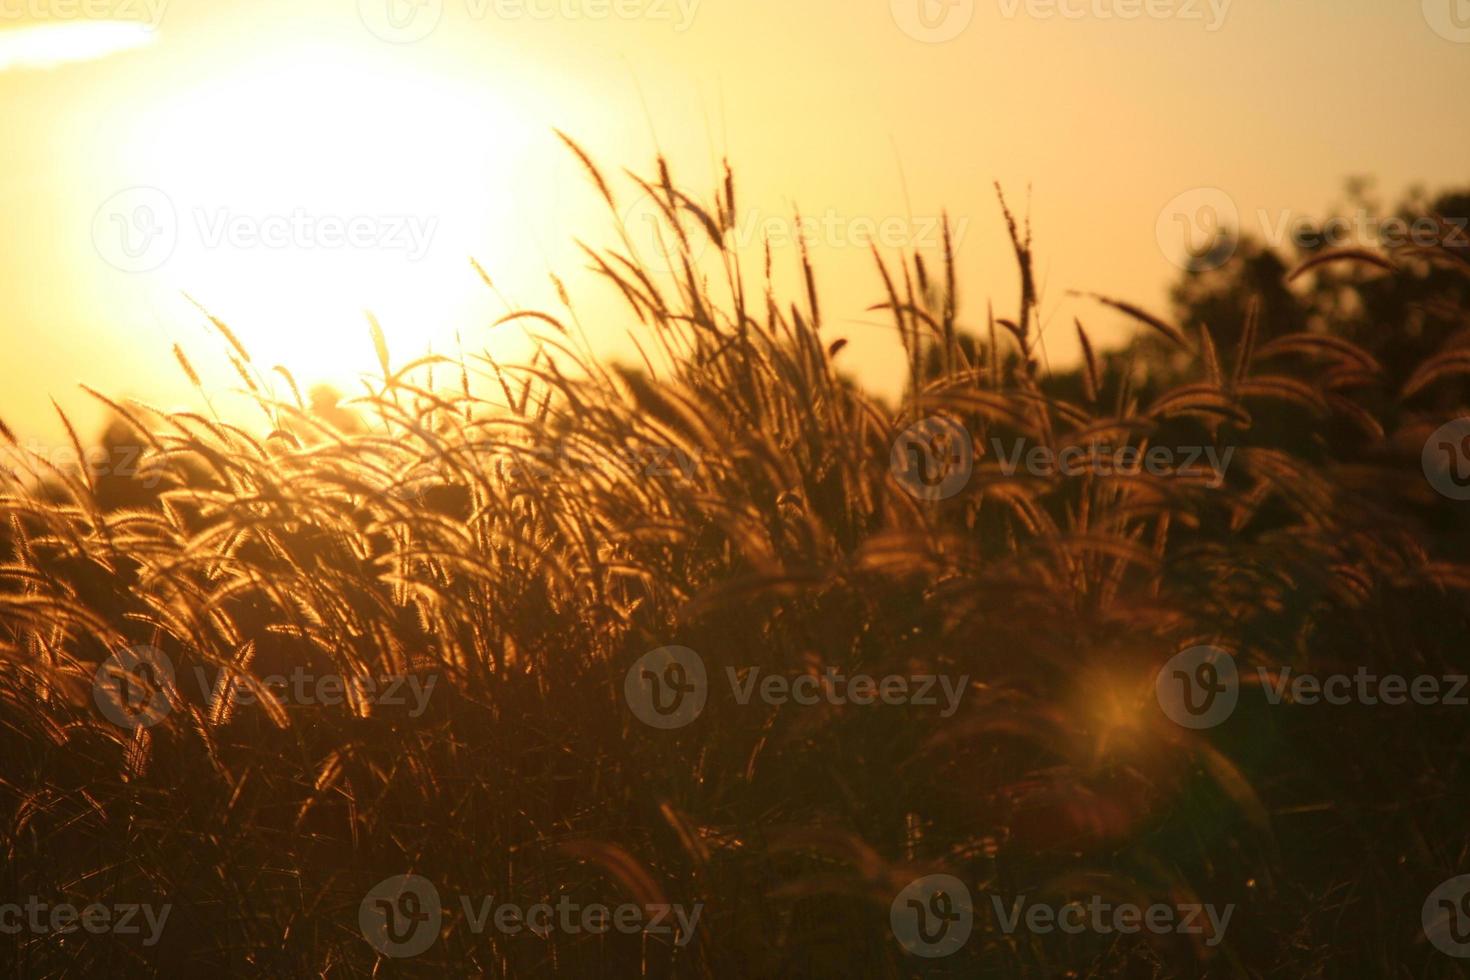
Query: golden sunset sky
[{"x": 292, "y": 163}]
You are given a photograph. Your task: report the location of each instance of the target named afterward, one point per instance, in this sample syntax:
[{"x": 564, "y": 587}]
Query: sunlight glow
[
  {"x": 290, "y": 198},
  {"x": 50, "y": 45}
]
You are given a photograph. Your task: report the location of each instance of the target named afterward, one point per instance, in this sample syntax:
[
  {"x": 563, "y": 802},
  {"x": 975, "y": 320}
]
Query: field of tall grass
[{"x": 516, "y": 539}]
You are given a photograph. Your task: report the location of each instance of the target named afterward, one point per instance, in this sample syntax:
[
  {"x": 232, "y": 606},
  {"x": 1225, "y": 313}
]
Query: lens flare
[{"x": 50, "y": 45}]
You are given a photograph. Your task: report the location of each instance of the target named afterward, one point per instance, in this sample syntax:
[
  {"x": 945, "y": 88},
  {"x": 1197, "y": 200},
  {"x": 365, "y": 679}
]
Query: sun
[{"x": 291, "y": 197}]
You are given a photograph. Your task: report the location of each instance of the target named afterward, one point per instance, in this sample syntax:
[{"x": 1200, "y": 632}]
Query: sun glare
[
  {"x": 50, "y": 45},
  {"x": 290, "y": 198}
]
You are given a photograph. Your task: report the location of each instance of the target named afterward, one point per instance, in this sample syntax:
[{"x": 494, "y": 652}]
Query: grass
[{"x": 525, "y": 533}]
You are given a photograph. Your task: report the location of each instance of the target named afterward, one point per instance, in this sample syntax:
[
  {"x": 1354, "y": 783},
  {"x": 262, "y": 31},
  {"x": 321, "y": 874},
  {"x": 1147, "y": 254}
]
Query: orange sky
[{"x": 291, "y": 163}]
